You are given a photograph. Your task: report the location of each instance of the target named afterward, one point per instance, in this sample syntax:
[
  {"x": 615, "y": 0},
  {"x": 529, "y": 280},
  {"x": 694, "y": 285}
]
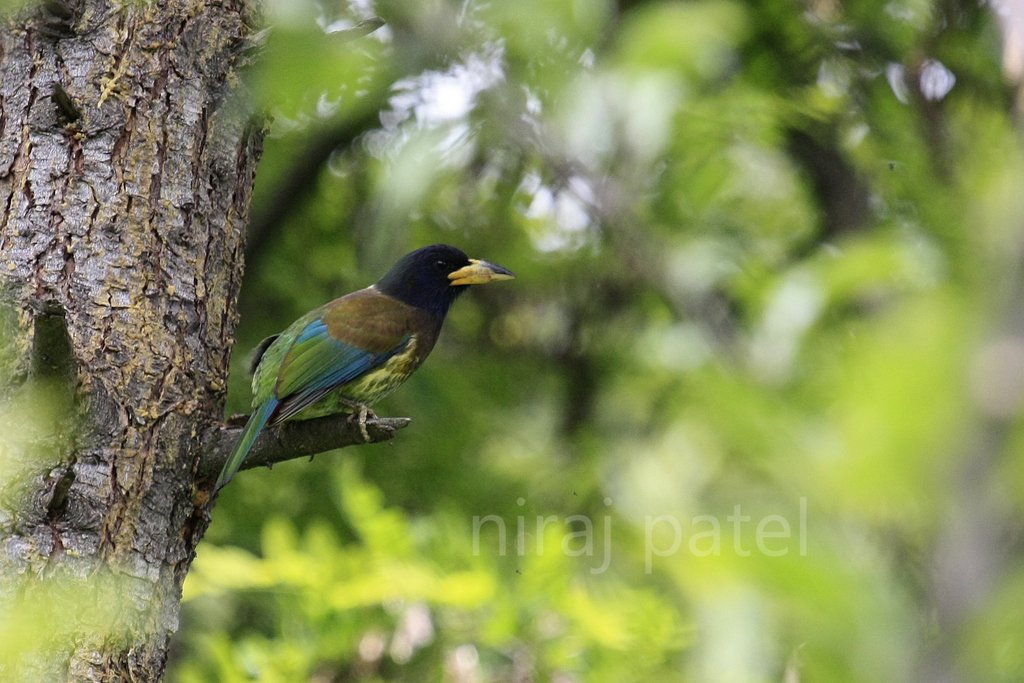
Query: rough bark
[{"x": 126, "y": 166}]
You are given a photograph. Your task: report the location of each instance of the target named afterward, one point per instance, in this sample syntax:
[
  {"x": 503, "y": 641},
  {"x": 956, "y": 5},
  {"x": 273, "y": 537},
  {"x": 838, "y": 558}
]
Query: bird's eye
[{"x": 441, "y": 265}]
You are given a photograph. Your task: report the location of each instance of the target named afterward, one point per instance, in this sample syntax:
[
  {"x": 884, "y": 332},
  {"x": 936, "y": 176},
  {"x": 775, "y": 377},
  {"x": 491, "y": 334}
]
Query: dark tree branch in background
[
  {"x": 294, "y": 186},
  {"x": 296, "y": 439},
  {"x": 842, "y": 194}
]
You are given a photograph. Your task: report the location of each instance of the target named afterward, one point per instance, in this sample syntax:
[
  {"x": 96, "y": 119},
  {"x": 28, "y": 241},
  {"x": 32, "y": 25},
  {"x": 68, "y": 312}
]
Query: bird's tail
[{"x": 252, "y": 429}]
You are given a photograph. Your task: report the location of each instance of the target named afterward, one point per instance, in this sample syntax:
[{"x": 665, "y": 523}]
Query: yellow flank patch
[{"x": 381, "y": 381}]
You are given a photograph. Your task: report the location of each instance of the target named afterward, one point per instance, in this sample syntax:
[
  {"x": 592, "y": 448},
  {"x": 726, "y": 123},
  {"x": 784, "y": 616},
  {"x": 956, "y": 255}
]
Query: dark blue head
[{"x": 433, "y": 277}]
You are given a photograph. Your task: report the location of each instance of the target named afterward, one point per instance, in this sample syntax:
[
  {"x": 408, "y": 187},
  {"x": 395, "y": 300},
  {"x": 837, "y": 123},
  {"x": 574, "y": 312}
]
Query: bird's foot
[{"x": 362, "y": 413}]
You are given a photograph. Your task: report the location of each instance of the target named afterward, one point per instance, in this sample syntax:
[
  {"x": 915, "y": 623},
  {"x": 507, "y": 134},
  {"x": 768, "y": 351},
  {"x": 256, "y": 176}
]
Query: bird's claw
[{"x": 362, "y": 413}]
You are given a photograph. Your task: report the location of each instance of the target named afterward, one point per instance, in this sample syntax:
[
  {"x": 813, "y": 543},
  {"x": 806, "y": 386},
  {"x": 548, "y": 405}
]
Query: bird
[{"x": 349, "y": 353}]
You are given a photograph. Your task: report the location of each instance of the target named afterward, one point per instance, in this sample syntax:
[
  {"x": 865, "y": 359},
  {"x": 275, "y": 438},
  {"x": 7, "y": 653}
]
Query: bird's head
[{"x": 432, "y": 278}]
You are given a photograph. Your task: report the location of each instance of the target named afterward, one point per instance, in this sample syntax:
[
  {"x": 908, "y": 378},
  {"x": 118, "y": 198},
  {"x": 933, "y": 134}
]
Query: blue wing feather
[{"x": 318, "y": 363}]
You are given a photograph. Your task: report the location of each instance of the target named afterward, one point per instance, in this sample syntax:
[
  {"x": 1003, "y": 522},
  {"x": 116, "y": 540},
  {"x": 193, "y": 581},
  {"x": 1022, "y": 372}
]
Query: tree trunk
[{"x": 127, "y": 157}]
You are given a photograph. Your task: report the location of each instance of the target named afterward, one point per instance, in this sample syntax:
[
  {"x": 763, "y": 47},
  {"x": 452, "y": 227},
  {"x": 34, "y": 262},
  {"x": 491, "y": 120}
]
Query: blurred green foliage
[
  {"x": 760, "y": 377},
  {"x": 38, "y": 429}
]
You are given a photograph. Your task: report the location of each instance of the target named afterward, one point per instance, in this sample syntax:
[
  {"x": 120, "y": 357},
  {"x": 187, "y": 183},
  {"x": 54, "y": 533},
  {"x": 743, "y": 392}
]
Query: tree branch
[
  {"x": 291, "y": 440},
  {"x": 363, "y": 28}
]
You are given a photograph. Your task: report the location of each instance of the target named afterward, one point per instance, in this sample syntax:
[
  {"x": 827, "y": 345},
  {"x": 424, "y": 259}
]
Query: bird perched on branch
[{"x": 353, "y": 351}]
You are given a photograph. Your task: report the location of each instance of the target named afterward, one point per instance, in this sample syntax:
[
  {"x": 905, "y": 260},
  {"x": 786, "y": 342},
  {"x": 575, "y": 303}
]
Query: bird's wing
[
  {"x": 256, "y": 356},
  {"x": 349, "y": 337}
]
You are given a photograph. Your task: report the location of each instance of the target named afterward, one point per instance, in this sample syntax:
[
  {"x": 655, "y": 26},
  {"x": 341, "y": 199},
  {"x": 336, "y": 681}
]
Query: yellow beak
[{"x": 478, "y": 273}]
